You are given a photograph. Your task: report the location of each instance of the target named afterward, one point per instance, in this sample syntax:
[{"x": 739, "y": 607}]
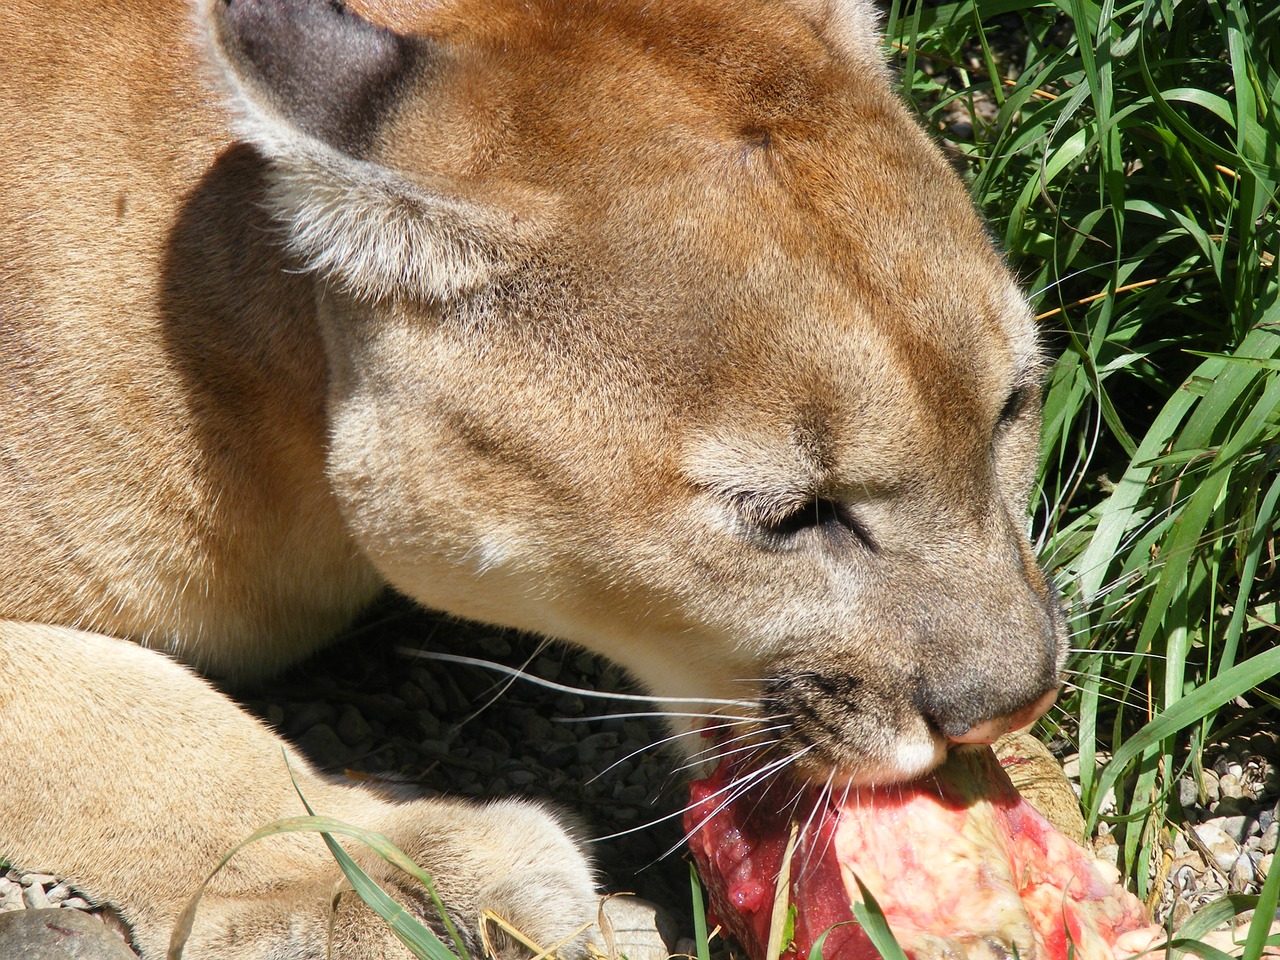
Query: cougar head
[{"x": 663, "y": 329}]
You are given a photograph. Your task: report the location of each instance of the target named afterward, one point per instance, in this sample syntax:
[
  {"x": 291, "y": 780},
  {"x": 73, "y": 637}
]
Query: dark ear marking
[{"x": 327, "y": 71}]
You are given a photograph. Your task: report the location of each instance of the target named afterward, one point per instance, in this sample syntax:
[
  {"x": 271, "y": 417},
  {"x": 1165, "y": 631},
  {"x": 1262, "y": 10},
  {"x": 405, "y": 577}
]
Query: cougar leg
[{"x": 129, "y": 776}]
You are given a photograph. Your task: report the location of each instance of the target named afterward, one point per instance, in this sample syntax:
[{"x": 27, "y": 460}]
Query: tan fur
[{"x": 568, "y": 321}]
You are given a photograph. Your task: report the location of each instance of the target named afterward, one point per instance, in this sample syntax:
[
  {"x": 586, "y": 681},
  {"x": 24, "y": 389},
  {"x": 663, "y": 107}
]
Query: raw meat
[{"x": 961, "y": 866}]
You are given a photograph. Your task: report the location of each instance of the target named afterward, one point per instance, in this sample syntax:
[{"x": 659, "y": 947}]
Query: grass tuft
[{"x": 1127, "y": 155}]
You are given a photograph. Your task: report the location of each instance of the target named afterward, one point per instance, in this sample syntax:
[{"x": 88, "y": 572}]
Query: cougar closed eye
[
  {"x": 1019, "y": 402},
  {"x": 783, "y": 520}
]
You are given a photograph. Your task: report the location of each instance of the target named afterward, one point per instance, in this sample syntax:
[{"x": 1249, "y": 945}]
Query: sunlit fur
[{"x": 660, "y": 328}]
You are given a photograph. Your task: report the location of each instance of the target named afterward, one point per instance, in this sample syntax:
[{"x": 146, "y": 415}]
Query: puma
[{"x": 655, "y": 327}]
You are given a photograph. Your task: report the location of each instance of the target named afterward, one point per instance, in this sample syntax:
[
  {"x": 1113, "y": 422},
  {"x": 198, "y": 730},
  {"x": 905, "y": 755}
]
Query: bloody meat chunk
[{"x": 960, "y": 864}]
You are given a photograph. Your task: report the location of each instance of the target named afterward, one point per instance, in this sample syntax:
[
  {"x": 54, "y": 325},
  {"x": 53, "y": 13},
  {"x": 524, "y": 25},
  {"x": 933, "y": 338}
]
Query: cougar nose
[{"x": 988, "y": 731}]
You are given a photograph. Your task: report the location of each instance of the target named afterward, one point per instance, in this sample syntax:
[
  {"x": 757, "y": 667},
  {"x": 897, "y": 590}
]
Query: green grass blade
[
  {"x": 872, "y": 920},
  {"x": 1226, "y": 686},
  {"x": 1264, "y": 913},
  {"x": 394, "y": 856},
  {"x": 406, "y": 928},
  {"x": 700, "y": 939}
]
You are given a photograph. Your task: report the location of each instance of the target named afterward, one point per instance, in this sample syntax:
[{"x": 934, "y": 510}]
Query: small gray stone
[
  {"x": 411, "y": 695},
  {"x": 59, "y": 935},
  {"x": 10, "y": 896},
  {"x": 74, "y": 903},
  {"x": 311, "y": 715},
  {"x": 637, "y": 929},
  {"x": 1180, "y": 914},
  {"x": 1188, "y": 793},
  {"x": 1270, "y": 836},
  {"x": 1210, "y": 786},
  {"x": 559, "y": 754},
  {"x": 430, "y": 688},
  {"x": 34, "y": 897},
  {"x": 321, "y": 743},
  {"x": 568, "y": 705},
  {"x": 44, "y": 879},
  {"x": 57, "y": 894},
  {"x": 1229, "y": 786},
  {"x": 1224, "y": 849},
  {"x": 630, "y": 795},
  {"x": 1235, "y": 827},
  {"x": 1227, "y": 807},
  {"x": 1240, "y": 877},
  {"x": 352, "y": 726},
  {"x": 428, "y": 726}
]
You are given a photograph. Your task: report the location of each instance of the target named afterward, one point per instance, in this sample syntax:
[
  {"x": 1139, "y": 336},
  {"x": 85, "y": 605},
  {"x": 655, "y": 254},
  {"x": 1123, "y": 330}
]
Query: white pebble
[
  {"x": 1235, "y": 827},
  {"x": 1241, "y": 874},
  {"x": 1229, "y": 786},
  {"x": 1264, "y": 866},
  {"x": 1109, "y": 854},
  {"x": 1270, "y": 836},
  {"x": 1224, "y": 849},
  {"x": 1210, "y": 786},
  {"x": 34, "y": 897}
]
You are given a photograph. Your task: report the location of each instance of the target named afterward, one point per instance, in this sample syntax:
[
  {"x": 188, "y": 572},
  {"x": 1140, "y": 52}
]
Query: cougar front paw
[
  {"x": 506, "y": 871},
  {"x": 508, "y": 874}
]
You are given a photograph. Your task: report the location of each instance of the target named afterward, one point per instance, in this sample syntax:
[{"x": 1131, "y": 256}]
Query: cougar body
[{"x": 658, "y": 328}]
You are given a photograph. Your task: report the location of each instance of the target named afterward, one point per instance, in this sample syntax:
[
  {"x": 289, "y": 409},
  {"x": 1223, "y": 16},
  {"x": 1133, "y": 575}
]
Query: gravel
[{"x": 368, "y": 710}]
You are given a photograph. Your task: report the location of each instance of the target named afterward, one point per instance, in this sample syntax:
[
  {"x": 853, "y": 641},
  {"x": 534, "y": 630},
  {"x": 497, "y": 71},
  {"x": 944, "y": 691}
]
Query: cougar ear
[
  {"x": 313, "y": 86},
  {"x": 851, "y": 27},
  {"x": 314, "y": 66}
]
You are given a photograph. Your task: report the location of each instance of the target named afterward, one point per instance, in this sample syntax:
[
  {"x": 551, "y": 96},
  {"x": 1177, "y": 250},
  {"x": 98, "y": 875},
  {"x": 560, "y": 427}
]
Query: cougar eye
[
  {"x": 782, "y": 522},
  {"x": 818, "y": 512},
  {"x": 1018, "y": 403}
]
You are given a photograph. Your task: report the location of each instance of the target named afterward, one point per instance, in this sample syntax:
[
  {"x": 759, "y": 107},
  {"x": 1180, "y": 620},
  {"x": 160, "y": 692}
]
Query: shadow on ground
[{"x": 367, "y": 709}]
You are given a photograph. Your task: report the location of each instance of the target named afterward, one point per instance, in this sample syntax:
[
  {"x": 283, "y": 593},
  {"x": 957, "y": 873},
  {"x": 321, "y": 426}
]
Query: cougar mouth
[{"x": 836, "y": 729}]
